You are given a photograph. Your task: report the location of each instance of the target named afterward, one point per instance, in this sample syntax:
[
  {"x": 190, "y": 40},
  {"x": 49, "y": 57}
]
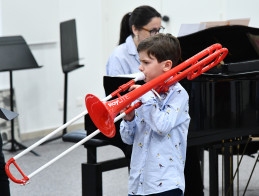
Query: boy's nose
[{"x": 140, "y": 67}]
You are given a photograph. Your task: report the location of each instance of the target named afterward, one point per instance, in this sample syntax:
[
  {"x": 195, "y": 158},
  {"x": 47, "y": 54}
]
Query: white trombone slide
[{"x": 138, "y": 76}]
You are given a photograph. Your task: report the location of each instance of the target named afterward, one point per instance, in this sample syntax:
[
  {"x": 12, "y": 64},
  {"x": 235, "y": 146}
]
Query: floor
[{"x": 63, "y": 178}]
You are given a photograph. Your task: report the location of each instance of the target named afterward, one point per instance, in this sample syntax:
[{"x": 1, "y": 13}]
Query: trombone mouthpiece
[{"x": 139, "y": 76}]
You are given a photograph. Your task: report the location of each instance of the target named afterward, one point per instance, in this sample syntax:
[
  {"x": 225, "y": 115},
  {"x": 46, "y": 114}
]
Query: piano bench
[
  {"x": 91, "y": 170},
  {"x": 78, "y": 135}
]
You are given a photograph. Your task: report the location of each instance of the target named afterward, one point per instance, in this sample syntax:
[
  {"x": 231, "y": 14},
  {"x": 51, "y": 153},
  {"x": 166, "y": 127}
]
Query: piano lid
[{"x": 241, "y": 41}]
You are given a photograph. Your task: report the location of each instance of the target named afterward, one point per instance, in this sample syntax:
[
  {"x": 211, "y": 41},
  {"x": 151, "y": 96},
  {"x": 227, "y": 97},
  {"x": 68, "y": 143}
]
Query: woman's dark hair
[
  {"x": 163, "y": 47},
  {"x": 140, "y": 17}
]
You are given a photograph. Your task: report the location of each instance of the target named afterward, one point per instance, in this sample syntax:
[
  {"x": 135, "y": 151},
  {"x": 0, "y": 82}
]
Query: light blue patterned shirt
[
  {"x": 159, "y": 137},
  {"x": 124, "y": 59}
]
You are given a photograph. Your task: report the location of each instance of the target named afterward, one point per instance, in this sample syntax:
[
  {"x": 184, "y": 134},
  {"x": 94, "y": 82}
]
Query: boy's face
[{"x": 150, "y": 66}]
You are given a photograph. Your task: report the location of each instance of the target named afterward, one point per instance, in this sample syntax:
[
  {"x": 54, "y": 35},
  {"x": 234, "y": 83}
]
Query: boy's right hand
[{"x": 130, "y": 116}]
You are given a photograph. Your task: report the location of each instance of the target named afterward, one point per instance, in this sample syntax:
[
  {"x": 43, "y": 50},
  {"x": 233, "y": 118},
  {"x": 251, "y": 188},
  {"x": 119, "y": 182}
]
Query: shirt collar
[{"x": 131, "y": 47}]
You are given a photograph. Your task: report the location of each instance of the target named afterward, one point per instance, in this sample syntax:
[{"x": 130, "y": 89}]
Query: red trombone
[{"x": 103, "y": 112}]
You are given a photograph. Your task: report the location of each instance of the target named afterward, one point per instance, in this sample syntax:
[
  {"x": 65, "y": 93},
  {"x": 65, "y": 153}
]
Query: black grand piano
[
  {"x": 225, "y": 97},
  {"x": 224, "y": 106},
  {"x": 224, "y": 102}
]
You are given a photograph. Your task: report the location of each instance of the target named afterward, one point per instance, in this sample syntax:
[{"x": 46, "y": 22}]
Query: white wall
[
  {"x": 39, "y": 91},
  {"x": 243, "y": 9},
  {"x": 188, "y": 11},
  {"x": 88, "y": 15},
  {"x": 113, "y": 11},
  {"x": 185, "y": 11},
  {"x": 35, "y": 20}
]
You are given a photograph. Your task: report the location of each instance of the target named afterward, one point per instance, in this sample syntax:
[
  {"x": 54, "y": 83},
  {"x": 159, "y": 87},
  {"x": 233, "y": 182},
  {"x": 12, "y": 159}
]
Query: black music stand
[
  {"x": 69, "y": 60},
  {"x": 15, "y": 55},
  {"x": 69, "y": 56}
]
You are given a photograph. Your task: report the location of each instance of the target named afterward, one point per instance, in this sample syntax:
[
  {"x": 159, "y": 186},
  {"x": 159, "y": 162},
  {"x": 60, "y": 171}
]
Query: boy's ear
[{"x": 168, "y": 65}]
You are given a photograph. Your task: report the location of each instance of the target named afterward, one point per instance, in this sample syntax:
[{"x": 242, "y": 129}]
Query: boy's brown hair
[{"x": 163, "y": 47}]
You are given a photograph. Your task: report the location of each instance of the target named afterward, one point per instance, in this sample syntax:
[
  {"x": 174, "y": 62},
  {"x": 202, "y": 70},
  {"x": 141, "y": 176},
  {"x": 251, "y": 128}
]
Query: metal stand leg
[
  {"x": 14, "y": 143},
  {"x": 64, "y": 113},
  {"x": 228, "y": 167},
  {"x": 257, "y": 159}
]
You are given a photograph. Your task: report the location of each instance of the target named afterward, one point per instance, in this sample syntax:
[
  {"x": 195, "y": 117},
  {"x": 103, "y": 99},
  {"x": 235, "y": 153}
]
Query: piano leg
[
  {"x": 213, "y": 171},
  {"x": 91, "y": 174},
  {"x": 91, "y": 179},
  {"x": 193, "y": 174}
]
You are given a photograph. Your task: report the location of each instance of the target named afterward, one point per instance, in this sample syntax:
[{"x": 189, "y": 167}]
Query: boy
[{"x": 158, "y": 129}]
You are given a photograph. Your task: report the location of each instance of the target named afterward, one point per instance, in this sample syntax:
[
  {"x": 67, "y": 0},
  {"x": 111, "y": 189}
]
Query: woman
[{"x": 142, "y": 23}]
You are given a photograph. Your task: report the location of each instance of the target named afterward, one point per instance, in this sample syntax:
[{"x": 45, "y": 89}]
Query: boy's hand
[
  {"x": 134, "y": 87},
  {"x": 130, "y": 116}
]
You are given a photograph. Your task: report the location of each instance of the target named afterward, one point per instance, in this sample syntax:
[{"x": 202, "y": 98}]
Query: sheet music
[
  {"x": 243, "y": 21},
  {"x": 187, "y": 29}
]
